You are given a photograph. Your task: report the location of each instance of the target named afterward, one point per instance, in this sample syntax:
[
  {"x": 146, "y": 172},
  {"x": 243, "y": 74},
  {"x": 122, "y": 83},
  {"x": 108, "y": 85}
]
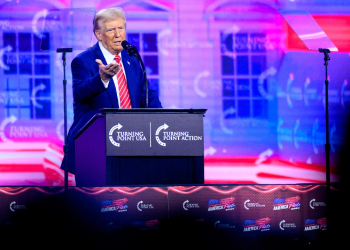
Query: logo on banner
[
  {"x": 220, "y": 204},
  {"x": 146, "y": 225},
  {"x": 14, "y": 206},
  {"x": 187, "y": 205},
  {"x": 124, "y": 135},
  {"x": 248, "y": 204},
  {"x": 174, "y": 136},
  {"x": 218, "y": 225},
  {"x": 140, "y": 205},
  {"x": 256, "y": 225},
  {"x": 291, "y": 203},
  {"x": 315, "y": 224},
  {"x": 313, "y": 203},
  {"x": 284, "y": 224},
  {"x": 114, "y": 205}
]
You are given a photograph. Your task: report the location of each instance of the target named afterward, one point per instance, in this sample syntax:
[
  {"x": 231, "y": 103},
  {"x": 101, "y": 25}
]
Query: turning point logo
[
  {"x": 313, "y": 203},
  {"x": 140, "y": 205},
  {"x": 124, "y": 135},
  {"x": 157, "y": 134},
  {"x": 218, "y": 225},
  {"x": 174, "y": 135},
  {"x": 283, "y": 224},
  {"x": 14, "y": 207},
  {"x": 186, "y": 205},
  {"x": 111, "y": 134},
  {"x": 247, "y": 204}
]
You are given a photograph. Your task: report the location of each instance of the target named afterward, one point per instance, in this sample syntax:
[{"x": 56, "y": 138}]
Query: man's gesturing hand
[{"x": 108, "y": 71}]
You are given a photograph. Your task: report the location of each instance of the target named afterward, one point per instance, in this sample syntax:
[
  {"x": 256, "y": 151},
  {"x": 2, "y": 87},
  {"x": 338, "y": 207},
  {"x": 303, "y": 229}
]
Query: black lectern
[{"x": 141, "y": 147}]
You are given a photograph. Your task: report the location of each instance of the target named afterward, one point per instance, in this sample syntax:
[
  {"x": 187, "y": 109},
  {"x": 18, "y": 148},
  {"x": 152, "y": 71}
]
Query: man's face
[{"x": 111, "y": 35}]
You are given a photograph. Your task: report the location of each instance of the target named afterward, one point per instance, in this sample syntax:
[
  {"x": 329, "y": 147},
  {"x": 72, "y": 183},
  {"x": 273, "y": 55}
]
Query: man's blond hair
[{"x": 108, "y": 14}]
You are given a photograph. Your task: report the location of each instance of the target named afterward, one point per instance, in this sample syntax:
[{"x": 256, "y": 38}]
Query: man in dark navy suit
[{"x": 105, "y": 76}]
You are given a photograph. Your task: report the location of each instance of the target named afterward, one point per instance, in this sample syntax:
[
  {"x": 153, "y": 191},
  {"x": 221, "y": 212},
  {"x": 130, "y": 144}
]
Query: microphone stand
[
  {"x": 65, "y": 146},
  {"x": 327, "y": 145},
  {"x": 132, "y": 51}
]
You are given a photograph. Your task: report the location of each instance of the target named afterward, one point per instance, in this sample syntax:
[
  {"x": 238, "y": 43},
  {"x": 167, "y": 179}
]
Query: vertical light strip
[{"x": 150, "y": 135}]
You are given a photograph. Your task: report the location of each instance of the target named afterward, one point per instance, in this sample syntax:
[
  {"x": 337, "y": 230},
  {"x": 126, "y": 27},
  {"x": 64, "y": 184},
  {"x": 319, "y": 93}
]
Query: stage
[
  {"x": 266, "y": 145},
  {"x": 158, "y": 217}
]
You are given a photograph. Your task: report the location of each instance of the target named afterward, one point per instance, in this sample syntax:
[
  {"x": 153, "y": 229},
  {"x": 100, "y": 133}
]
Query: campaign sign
[{"x": 154, "y": 134}]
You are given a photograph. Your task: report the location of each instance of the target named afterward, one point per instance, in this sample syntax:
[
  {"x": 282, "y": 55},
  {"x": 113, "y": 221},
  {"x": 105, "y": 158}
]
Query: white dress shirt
[{"x": 110, "y": 59}]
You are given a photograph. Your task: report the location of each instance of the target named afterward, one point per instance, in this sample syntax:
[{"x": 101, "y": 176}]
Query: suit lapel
[
  {"x": 112, "y": 92},
  {"x": 98, "y": 53}
]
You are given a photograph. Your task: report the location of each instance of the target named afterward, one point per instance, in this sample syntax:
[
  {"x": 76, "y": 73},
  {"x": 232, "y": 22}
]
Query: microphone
[
  {"x": 131, "y": 49},
  {"x": 324, "y": 50}
]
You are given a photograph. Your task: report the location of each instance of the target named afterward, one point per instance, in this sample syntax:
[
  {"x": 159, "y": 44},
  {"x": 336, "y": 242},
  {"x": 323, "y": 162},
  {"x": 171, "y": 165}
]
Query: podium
[{"x": 141, "y": 147}]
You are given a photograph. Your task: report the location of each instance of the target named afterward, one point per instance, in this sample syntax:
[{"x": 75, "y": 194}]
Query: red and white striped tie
[{"x": 124, "y": 96}]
